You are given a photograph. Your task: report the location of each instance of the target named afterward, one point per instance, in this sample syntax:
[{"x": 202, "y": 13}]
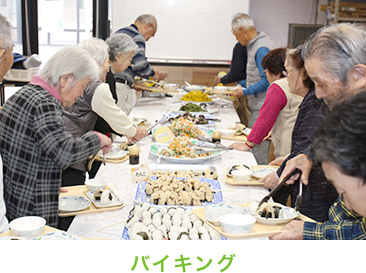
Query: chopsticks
[
  {"x": 115, "y": 224},
  {"x": 278, "y": 187}
]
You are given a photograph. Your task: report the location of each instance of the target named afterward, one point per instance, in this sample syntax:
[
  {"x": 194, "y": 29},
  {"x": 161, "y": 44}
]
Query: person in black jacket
[
  {"x": 237, "y": 73},
  {"x": 319, "y": 195}
]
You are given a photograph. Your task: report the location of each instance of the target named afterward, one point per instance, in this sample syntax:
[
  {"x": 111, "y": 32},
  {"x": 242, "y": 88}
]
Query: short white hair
[
  {"x": 70, "y": 60},
  {"x": 242, "y": 20},
  {"x": 119, "y": 42},
  {"x": 146, "y": 19},
  {"x": 6, "y": 42},
  {"x": 340, "y": 47},
  {"x": 97, "y": 48}
]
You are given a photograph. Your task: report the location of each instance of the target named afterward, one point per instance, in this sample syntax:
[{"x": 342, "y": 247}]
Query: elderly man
[
  {"x": 141, "y": 31},
  {"x": 335, "y": 59},
  {"x": 255, "y": 86},
  {"x": 6, "y": 61}
]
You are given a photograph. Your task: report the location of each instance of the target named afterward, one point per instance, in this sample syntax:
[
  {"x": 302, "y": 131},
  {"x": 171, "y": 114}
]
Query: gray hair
[
  {"x": 242, "y": 20},
  {"x": 146, "y": 19},
  {"x": 6, "y": 42},
  {"x": 119, "y": 42},
  {"x": 70, "y": 60},
  {"x": 340, "y": 47},
  {"x": 97, "y": 48}
]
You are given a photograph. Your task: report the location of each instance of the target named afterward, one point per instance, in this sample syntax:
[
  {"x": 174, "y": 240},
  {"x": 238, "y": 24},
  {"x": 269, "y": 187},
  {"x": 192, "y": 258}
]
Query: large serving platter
[
  {"x": 141, "y": 195},
  {"x": 205, "y": 115},
  {"x": 155, "y": 148},
  {"x": 185, "y": 167}
]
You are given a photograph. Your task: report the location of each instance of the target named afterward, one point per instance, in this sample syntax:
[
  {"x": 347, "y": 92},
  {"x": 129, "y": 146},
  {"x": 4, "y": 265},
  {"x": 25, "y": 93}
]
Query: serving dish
[
  {"x": 155, "y": 149},
  {"x": 73, "y": 203},
  {"x": 189, "y": 88},
  {"x": 116, "y": 201},
  {"x": 58, "y": 235},
  {"x": 209, "y": 117},
  {"x": 215, "y": 185},
  {"x": 150, "y": 223}
]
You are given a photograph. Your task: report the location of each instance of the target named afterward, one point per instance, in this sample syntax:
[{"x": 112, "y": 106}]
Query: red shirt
[{"x": 273, "y": 104}]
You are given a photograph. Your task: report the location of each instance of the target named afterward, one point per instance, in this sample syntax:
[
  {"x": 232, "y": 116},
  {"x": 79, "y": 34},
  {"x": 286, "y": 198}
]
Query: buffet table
[{"x": 109, "y": 224}]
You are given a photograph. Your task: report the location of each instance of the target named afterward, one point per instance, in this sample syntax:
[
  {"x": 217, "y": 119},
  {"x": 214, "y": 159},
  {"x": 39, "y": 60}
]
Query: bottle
[
  {"x": 134, "y": 154},
  {"x": 216, "y": 137}
]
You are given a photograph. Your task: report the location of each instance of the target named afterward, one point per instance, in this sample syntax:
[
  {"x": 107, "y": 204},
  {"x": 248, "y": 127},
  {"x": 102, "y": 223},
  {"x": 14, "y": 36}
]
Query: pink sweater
[{"x": 274, "y": 102}]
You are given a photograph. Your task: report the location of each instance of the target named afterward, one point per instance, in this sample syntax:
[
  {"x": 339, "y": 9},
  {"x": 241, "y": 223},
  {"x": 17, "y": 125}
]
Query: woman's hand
[
  {"x": 270, "y": 181},
  {"x": 238, "y": 92},
  {"x": 240, "y": 146},
  {"x": 301, "y": 162},
  {"x": 292, "y": 231}
]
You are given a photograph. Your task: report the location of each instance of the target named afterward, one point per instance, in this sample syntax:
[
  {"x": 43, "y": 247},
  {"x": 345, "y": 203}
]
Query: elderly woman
[
  {"x": 121, "y": 51},
  {"x": 279, "y": 110},
  {"x": 33, "y": 140},
  {"x": 6, "y": 61},
  {"x": 319, "y": 195},
  {"x": 97, "y": 101}
]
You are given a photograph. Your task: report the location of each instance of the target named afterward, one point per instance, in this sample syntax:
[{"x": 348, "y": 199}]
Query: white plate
[
  {"x": 288, "y": 213},
  {"x": 141, "y": 195},
  {"x": 58, "y": 235},
  {"x": 261, "y": 173},
  {"x": 115, "y": 201},
  {"x": 189, "y": 88},
  {"x": 73, "y": 203},
  {"x": 207, "y": 116},
  {"x": 156, "y": 147},
  {"x": 114, "y": 153},
  {"x": 206, "y": 130}
]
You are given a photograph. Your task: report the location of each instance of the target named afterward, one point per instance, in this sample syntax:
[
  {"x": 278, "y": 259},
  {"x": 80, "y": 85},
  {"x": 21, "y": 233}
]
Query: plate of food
[
  {"x": 197, "y": 96},
  {"x": 114, "y": 153},
  {"x": 146, "y": 222},
  {"x": 271, "y": 213},
  {"x": 195, "y": 118},
  {"x": 73, "y": 203},
  {"x": 175, "y": 191},
  {"x": 104, "y": 198},
  {"x": 184, "y": 127},
  {"x": 179, "y": 151}
]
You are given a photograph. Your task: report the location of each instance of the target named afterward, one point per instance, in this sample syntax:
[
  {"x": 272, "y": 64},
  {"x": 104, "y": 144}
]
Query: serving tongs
[
  {"x": 164, "y": 118},
  {"x": 279, "y": 186},
  {"x": 202, "y": 147}
]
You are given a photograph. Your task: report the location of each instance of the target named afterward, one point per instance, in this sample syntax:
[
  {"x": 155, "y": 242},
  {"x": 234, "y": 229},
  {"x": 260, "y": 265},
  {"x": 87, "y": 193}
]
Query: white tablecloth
[{"x": 119, "y": 175}]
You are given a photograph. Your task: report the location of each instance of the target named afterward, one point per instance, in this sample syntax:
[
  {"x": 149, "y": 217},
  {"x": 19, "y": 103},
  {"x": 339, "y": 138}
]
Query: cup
[
  {"x": 216, "y": 137},
  {"x": 134, "y": 154}
]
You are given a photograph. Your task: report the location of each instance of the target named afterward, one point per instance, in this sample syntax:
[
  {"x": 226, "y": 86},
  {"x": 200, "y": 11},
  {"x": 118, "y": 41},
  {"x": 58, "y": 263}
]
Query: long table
[{"x": 119, "y": 175}]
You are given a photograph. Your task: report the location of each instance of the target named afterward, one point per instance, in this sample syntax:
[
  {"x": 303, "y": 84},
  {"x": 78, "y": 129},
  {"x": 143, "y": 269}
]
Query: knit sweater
[{"x": 139, "y": 65}]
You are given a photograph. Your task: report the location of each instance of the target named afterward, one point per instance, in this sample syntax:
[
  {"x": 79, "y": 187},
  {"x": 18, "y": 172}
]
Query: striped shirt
[
  {"x": 139, "y": 65},
  {"x": 343, "y": 224}
]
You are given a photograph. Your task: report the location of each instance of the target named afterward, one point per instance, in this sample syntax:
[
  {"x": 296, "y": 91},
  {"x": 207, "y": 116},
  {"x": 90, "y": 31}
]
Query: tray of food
[
  {"x": 146, "y": 222},
  {"x": 179, "y": 150},
  {"x": 82, "y": 191},
  {"x": 176, "y": 191},
  {"x": 157, "y": 87},
  {"x": 263, "y": 227},
  {"x": 197, "y": 96},
  {"x": 240, "y": 175}
]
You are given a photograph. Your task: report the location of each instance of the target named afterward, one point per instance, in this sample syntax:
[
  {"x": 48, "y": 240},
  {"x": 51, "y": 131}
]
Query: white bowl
[
  {"x": 29, "y": 227},
  {"x": 227, "y": 132},
  {"x": 242, "y": 174},
  {"x": 237, "y": 223},
  {"x": 95, "y": 184}
]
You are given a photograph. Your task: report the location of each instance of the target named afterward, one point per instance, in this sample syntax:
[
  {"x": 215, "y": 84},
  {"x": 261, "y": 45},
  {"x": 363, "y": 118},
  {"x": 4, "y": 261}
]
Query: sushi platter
[
  {"x": 82, "y": 191},
  {"x": 142, "y": 196},
  {"x": 146, "y": 222}
]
